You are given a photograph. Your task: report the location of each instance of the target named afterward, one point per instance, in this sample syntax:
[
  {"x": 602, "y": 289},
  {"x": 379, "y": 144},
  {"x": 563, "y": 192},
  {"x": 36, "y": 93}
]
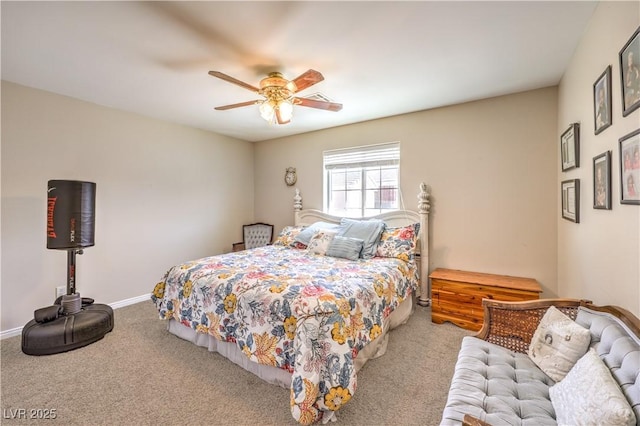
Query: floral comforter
[{"x": 284, "y": 307}]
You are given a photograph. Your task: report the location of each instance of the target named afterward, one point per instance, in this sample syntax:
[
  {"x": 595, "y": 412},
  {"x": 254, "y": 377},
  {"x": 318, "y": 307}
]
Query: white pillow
[
  {"x": 589, "y": 395},
  {"x": 558, "y": 343},
  {"x": 320, "y": 241}
]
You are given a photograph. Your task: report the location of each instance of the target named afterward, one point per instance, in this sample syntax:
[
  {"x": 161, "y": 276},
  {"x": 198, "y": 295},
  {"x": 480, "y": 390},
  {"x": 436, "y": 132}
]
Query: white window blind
[{"x": 364, "y": 156}]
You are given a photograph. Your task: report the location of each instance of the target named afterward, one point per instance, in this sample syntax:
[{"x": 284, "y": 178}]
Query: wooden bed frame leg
[{"x": 424, "y": 302}]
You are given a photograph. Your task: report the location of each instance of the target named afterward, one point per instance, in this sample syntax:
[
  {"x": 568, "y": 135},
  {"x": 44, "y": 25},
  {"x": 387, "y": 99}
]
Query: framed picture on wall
[
  {"x": 602, "y": 181},
  {"x": 602, "y": 101},
  {"x": 629, "y": 148},
  {"x": 570, "y": 190},
  {"x": 570, "y": 147},
  {"x": 630, "y": 74}
]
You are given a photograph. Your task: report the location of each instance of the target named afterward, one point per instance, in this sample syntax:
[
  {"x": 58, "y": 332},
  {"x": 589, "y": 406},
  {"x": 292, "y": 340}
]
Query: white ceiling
[{"x": 378, "y": 58}]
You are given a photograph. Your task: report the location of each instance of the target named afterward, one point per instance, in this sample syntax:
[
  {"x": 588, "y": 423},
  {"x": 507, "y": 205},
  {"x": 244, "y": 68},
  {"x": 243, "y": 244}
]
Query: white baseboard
[
  {"x": 10, "y": 333},
  {"x": 131, "y": 301},
  {"x": 115, "y": 305}
]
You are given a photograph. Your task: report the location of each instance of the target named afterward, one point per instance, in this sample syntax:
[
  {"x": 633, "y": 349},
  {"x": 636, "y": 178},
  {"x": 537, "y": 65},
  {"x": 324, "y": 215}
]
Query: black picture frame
[
  {"x": 602, "y": 181},
  {"x": 630, "y": 74},
  {"x": 570, "y": 147},
  {"x": 629, "y": 149},
  {"x": 602, "y": 101},
  {"x": 570, "y": 192}
]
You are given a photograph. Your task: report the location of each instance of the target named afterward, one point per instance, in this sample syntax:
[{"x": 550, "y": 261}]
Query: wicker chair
[{"x": 255, "y": 235}]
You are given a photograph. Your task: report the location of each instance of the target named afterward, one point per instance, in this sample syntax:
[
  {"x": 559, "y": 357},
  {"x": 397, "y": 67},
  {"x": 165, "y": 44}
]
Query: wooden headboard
[{"x": 395, "y": 218}]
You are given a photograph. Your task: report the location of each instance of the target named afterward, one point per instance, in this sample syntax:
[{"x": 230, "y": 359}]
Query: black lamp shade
[{"x": 71, "y": 208}]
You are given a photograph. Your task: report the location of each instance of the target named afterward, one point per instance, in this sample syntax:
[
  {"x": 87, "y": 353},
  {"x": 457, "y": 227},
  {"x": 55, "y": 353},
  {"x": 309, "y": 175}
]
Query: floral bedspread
[{"x": 305, "y": 313}]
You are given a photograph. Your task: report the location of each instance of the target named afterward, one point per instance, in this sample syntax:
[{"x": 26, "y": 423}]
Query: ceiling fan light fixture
[
  {"x": 267, "y": 110},
  {"x": 286, "y": 110},
  {"x": 277, "y": 107},
  {"x": 276, "y": 111}
]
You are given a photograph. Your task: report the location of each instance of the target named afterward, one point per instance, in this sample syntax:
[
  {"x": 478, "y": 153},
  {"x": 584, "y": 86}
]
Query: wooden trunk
[{"x": 457, "y": 295}]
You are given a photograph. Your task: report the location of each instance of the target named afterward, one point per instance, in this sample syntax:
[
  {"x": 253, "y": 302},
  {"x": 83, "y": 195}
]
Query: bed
[{"x": 305, "y": 316}]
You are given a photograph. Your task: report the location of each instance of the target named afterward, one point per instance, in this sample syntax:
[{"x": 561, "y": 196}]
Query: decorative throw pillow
[
  {"x": 320, "y": 241},
  {"x": 305, "y": 236},
  {"x": 399, "y": 242},
  {"x": 345, "y": 247},
  {"x": 589, "y": 395},
  {"x": 367, "y": 230},
  {"x": 298, "y": 245},
  {"x": 558, "y": 343},
  {"x": 287, "y": 235}
]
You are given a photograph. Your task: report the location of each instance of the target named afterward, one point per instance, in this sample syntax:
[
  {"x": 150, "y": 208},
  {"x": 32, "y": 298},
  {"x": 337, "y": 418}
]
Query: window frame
[{"x": 362, "y": 159}]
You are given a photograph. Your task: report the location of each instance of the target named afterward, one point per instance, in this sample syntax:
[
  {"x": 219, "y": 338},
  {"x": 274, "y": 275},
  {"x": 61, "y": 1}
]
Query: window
[{"x": 362, "y": 181}]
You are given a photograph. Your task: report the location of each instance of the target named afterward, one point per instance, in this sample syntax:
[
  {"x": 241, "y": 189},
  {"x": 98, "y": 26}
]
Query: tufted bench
[{"x": 495, "y": 382}]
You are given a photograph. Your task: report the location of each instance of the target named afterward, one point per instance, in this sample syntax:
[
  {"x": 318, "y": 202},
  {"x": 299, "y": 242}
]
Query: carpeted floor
[{"x": 140, "y": 374}]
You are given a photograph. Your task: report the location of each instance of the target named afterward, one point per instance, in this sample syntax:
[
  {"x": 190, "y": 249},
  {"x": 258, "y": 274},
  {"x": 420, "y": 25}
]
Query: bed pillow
[
  {"x": 590, "y": 395},
  {"x": 345, "y": 247},
  {"x": 305, "y": 236},
  {"x": 320, "y": 241},
  {"x": 368, "y": 231},
  {"x": 558, "y": 343},
  {"x": 287, "y": 235},
  {"x": 400, "y": 243}
]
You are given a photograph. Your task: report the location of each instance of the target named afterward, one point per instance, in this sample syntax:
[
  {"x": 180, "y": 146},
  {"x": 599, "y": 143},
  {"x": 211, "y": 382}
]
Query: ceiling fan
[{"x": 279, "y": 95}]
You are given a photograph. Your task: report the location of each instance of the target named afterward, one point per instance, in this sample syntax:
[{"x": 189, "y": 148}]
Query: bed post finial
[
  {"x": 297, "y": 207},
  {"x": 424, "y": 205},
  {"x": 423, "y": 199},
  {"x": 297, "y": 201}
]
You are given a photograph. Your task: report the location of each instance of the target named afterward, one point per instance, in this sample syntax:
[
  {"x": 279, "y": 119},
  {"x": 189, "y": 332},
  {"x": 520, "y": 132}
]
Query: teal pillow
[
  {"x": 345, "y": 247},
  {"x": 367, "y": 230}
]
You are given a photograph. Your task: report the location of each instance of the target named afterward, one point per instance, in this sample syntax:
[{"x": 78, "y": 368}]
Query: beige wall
[
  {"x": 165, "y": 193},
  {"x": 599, "y": 258},
  {"x": 491, "y": 166}
]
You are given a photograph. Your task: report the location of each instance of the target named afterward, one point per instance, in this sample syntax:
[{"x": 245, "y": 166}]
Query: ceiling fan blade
[
  {"x": 312, "y": 103},
  {"x": 241, "y": 104},
  {"x": 307, "y": 79},
  {"x": 234, "y": 81},
  {"x": 279, "y": 117}
]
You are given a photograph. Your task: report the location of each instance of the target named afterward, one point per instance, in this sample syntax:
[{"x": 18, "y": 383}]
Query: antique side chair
[{"x": 255, "y": 235}]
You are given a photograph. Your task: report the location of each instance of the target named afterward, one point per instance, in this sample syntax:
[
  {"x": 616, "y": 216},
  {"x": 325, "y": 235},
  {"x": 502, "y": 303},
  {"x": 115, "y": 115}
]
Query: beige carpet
[{"x": 140, "y": 374}]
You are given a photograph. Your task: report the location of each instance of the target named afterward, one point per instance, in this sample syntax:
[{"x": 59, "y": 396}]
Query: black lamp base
[{"x": 66, "y": 332}]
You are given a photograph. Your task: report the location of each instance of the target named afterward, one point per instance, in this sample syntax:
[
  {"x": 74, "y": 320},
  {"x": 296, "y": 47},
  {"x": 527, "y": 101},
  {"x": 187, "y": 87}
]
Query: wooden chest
[{"x": 457, "y": 295}]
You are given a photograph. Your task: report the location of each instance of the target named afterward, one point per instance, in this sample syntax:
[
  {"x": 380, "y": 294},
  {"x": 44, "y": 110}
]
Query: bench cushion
[{"x": 498, "y": 386}]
